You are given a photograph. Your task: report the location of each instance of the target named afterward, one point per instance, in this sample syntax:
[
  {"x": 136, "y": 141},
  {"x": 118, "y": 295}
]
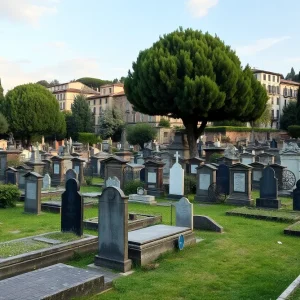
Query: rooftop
[
  {"x": 267, "y": 72},
  {"x": 289, "y": 82}
]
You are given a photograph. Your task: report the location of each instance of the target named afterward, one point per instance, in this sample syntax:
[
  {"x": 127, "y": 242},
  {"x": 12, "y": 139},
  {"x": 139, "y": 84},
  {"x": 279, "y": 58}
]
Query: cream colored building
[
  {"x": 113, "y": 95},
  {"x": 66, "y": 92},
  {"x": 288, "y": 93}
]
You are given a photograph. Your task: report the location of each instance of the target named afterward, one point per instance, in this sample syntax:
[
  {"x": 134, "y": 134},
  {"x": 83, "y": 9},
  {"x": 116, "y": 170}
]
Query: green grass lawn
[{"x": 246, "y": 262}]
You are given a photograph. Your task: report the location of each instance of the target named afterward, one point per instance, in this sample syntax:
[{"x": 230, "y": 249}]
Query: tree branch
[{"x": 202, "y": 127}]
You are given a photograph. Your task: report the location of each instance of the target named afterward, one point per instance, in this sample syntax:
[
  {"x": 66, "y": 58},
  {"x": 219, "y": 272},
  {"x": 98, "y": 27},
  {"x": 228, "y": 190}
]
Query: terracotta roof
[
  {"x": 112, "y": 84},
  {"x": 74, "y": 91},
  {"x": 119, "y": 94},
  {"x": 98, "y": 96},
  {"x": 289, "y": 82},
  {"x": 267, "y": 72}
]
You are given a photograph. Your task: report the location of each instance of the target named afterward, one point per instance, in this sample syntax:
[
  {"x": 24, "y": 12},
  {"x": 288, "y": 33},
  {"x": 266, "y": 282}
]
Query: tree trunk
[
  {"x": 193, "y": 133},
  {"x": 28, "y": 141}
]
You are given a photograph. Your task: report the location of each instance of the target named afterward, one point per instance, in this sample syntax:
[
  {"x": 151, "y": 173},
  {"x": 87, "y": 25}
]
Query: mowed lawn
[{"x": 246, "y": 262}]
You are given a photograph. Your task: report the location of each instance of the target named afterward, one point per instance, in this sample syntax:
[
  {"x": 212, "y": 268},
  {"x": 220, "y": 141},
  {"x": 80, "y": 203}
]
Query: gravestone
[
  {"x": 278, "y": 174},
  {"x": 71, "y": 174},
  {"x": 257, "y": 169},
  {"x": 142, "y": 175},
  {"x": 265, "y": 158},
  {"x": 77, "y": 165},
  {"x": 240, "y": 185},
  {"x": 142, "y": 197},
  {"x": 268, "y": 190},
  {"x": 112, "y": 182},
  {"x": 222, "y": 178},
  {"x": 58, "y": 176},
  {"x": 247, "y": 158},
  {"x": 184, "y": 213},
  {"x": 46, "y": 182},
  {"x": 147, "y": 152},
  {"x": 114, "y": 166},
  {"x": 296, "y": 196},
  {"x": 33, "y": 188},
  {"x": 11, "y": 176},
  {"x": 113, "y": 230},
  {"x": 206, "y": 175},
  {"x": 154, "y": 176},
  {"x": 176, "y": 189},
  {"x": 72, "y": 208},
  {"x": 273, "y": 144},
  {"x": 192, "y": 164},
  {"x": 22, "y": 170}
]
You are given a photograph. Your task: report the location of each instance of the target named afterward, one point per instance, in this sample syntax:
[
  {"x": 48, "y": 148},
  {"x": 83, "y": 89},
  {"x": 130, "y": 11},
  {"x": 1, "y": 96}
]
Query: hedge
[
  {"x": 9, "y": 195},
  {"x": 224, "y": 129},
  {"x": 294, "y": 131}
]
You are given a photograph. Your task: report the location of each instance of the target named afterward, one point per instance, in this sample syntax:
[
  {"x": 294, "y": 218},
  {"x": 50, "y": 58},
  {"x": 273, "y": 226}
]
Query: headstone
[
  {"x": 46, "y": 182},
  {"x": 11, "y": 176},
  {"x": 296, "y": 196},
  {"x": 247, "y": 158},
  {"x": 72, "y": 208},
  {"x": 114, "y": 166},
  {"x": 184, "y": 213},
  {"x": 71, "y": 174},
  {"x": 273, "y": 143},
  {"x": 154, "y": 176},
  {"x": 142, "y": 175},
  {"x": 33, "y": 188},
  {"x": 240, "y": 185},
  {"x": 112, "y": 182},
  {"x": 257, "y": 169},
  {"x": 176, "y": 189},
  {"x": 222, "y": 178},
  {"x": 268, "y": 190},
  {"x": 113, "y": 230}
]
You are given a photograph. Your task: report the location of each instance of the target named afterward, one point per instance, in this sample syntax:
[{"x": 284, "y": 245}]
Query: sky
[{"x": 69, "y": 39}]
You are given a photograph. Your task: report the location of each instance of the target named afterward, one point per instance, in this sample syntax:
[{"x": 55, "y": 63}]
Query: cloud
[
  {"x": 14, "y": 73},
  {"x": 260, "y": 45},
  {"x": 200, "y": 8},
  {"x": 28, "y": 11}
]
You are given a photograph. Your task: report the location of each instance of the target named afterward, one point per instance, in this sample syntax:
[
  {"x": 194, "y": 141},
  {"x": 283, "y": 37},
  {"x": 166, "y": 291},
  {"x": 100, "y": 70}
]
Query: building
[
  {"x": 288, "y": 93},
  {"x": 113, "y": 96},
  {"x": 271, "y": 82},
  {"x": 66, "y": 92}
]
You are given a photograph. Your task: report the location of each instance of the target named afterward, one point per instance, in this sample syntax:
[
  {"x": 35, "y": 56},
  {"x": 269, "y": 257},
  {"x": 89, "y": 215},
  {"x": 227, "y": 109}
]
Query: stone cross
[{"x": 177, "y": 157}]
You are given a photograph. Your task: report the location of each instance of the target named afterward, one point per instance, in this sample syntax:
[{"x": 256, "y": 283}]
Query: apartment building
[
  {"x": 66, "y": 92},
  {"x": 288, "y": 93},
  {"x": 113, "y": 95}
]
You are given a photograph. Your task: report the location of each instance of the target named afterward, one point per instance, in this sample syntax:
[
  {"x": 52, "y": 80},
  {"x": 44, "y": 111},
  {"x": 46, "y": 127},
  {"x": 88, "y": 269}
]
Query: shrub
[
  {"x": 13, "y": 162},
  {"x": 225, "y": 139},
  {"x": 88, "y": 180},
  {"x": 190, "y": 184},
  {"x": 294, "y": 131},
  {"x": 114, "y": 150},
  {"x": 213, "y": 158},
  {"x": 164, "y": 123},
  {"x": 130, "y": 187},
  {"x": 9, "y": 194}
]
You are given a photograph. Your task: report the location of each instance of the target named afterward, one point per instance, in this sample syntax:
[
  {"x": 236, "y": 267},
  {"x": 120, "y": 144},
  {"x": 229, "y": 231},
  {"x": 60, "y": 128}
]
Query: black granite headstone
[
  {"x": 72, "y": 208},
  {"x": 296, "y": 196},
  {"x": 268, "y": 190},
  {"x": 142, "y": 175},
  {"x": 223, "y": 178},
  {"x": 11, "y": 178},
  {"x": 273, "y": 144}
]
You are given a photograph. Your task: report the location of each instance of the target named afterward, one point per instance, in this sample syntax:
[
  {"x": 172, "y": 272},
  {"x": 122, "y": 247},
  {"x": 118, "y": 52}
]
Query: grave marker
[
  {"x": 33, "y": 188},
  {"x": 184, "y": 213},
  {"x": 112, "y": 182},
  {"x": 71, "y": 174},
  {"x": 296, "y": 196},
  {"x": 72, "y": 208},
  {"x": 46, "y": 182},
  {"x": 176, "y": 189},
  {"x": 113, "y": 230}
]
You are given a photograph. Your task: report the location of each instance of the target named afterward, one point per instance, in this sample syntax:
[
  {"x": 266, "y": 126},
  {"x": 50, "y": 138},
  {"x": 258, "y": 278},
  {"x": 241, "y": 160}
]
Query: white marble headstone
[
  {"x": 113, "y": 181},
  {"x": 184, "y": 213},
  {"x": 176, "y": 178},
  {"x": 46, "y": 182}
]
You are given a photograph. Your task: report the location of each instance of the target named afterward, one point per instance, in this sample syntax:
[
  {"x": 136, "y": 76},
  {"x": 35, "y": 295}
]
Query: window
[
  {"x": 273, "y": 89},
  {"x": 277, "y": 78},
  {"x": 284, "y": 102},
  {"x": 291, "y": 92},
  {"x": 265, "y": 77},
  {"x": 269, "y": 89},
  {"x": 142, "y": 117},
  {"x": 110, "y": 90},
  {"x": 105, "y": 100},
  {"x": 273, "y": 78},
  {"x": 64, "y": 105},
  {"x": 277, "y": 113},
  {"x": 149, "y": 119},
  {"x": 272, "y": 113},
  {"x": 277, "y": 101},
  {"x": 285, "y": 92},
  {"x": 94, "y": 110},
  {"x": 100, "y": 110},
  {"x": 269, "y": 77}
]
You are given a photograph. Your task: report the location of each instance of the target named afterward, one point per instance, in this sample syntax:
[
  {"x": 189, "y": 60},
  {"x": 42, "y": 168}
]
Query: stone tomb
[
  {"x": 184, "y": 213},
  {"x": 176, "y": 189},
  {"x": 46, "y": 182},
  {"x": 113, "y": 230},
  {"x": 206, "y": 175},
  {"x": 278, "y": 174},
  {"x": 265, "y": 158},
  {"x": 58, "y": 176},
  {"x": 77, "y": 165},
  {"x": 142, "y": 197},
  {"x": 154, "y": 177},
  {"x": 296, "y": 197},
  {"x": 268, "y": 190},
  {"x": 240, "y": 185},
  {"x": 11, "y": 176},
  {"x": 257, "y": 169},
  {"x": 222, "y": 178},
  {"x": 72, "y": 208},
  {"x": 71, "y": 174},
  {"x": 33, "y": 188},
  {"x": 247, "y": 158},
  {"x": 192, "y": 164},
  {"x": 114, "y": 166}
]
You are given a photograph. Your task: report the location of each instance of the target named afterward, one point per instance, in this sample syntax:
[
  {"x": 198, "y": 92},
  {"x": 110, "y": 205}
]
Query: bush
[
  {"x": 225, "y": 139},
  {"x": 164, "y": 123},
  {"x": 130, "y": 187},
  {"x": 213, "y": 158},
  {"x": 13, "y": 163},
  {"x": 230, "y": 123},
  {"x": 9, "y": 194},
  {"x": 190, "y": 184},
  {"x": 88, "y": 180},
  {"x": 294, "y": 131}
]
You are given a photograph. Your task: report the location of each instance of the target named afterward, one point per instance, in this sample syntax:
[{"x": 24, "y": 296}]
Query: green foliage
[
  {"x": 44, "y": 83},
  {"x": 130, "y": 187},
  {"x": 13, "y": 162},
  {"x": 289, "y": 116},
  {"x": 93, "y": 82},
  {"x": 110, "y": 123},
  {"x": 88, "y": 138},
  {"x": 140, "y": 133},
  {"x": 230, "y": 123},
  {"x": 1, "y": 93},
  {"x": 3, "y": 123},
  {"x": 224, "y": 129},
  {"x": 121, "y": 80},
  {"x": 31, "y": 109},
  {"x": 213, "y": 158},
  {"x": 292, "y": 76},
  {"x": 294, "y": 131},
  {"x": 190, "y": 184},
  {"x": 9, "y": 194},
  {"x": 82, "y": 119},
  {"x": 265, "y": 118},
  {"x": 225, "y": 139},
  {"x": 88, "y": 180},
  {"x": 194, "y": 76},
  {"x": 164, "y": 123}
]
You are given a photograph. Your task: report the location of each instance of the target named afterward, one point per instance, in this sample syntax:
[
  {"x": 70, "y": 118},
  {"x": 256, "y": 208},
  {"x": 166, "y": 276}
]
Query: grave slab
[
  {"x": 48, "y": 241},
  {"x": 55, "y": 282}
]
